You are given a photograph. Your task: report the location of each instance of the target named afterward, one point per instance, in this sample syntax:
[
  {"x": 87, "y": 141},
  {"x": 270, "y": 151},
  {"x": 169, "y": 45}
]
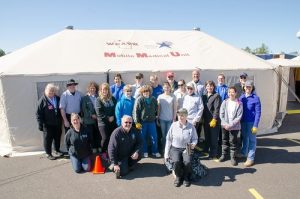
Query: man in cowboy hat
[{"x": 69, "y": 102}]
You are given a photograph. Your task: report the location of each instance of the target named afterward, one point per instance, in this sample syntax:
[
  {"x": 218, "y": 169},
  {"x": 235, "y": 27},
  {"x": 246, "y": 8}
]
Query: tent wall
[
  {"x": 21, "y": 100},
  {"x": 20, "y": 103},
  {"x": 5, "y": 144}
]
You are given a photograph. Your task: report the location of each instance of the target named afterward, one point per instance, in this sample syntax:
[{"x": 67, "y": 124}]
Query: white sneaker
[
  {"x": 145, "y": 155},
  {"x": 157, "y": 155}
]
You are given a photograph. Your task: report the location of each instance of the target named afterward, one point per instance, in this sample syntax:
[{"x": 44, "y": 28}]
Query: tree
[
  {"x": 2, "y": 53},
  {"x": 247, "y": 49},
  {"x": 263, "y": 49}
]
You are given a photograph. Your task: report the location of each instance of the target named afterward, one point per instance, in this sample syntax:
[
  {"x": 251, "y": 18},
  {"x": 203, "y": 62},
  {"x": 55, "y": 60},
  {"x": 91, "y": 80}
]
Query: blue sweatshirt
[
  {"x": 117, "y": 92},
  {"x": 222, "y": 91},
  {"x": 124, "y": 107},
  {"x": 251, "y": 109}
]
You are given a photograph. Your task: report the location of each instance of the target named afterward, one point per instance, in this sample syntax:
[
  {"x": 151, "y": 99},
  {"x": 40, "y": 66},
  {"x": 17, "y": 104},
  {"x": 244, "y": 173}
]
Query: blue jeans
[
  {"x": 149, "y": 129},
  {"x": 249, "y": 140},
  {"x": 165, "y": 126},
  {"x": 80, "y": 164}
]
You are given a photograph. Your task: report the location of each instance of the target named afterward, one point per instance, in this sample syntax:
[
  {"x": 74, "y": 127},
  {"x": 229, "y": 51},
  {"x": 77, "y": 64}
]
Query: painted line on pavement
[
  {"x": 293, "y": 112},
  {"x": 255, "y": 193},
  {"x": 290, "y": 139}
]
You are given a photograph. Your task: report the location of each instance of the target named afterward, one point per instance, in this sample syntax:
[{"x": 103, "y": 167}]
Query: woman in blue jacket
[
  {"x": 249, "y": 122},
  {"x": 125, "y": 105}
]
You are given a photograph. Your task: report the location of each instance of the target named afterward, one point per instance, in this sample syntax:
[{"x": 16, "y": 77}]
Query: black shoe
[
  {"x": 177, "y": 182},
  {"x": 187, "y": 182},
  {"x": 118, "y": 174},
  {"x": 234, "y": 162},
  {"x": 50, "y": 157},
  {"x": 222, "y": 158}
]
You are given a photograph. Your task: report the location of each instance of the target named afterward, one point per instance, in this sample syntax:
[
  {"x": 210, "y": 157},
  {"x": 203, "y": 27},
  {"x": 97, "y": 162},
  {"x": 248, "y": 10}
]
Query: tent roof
[
  {"x": 296, "y": 58},
  {"x": 285, "y": 62},
  {"x": 89, "y": 51}
]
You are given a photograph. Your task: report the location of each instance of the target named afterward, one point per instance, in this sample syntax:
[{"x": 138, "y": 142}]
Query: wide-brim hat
[{"x": 71, "y": 82}]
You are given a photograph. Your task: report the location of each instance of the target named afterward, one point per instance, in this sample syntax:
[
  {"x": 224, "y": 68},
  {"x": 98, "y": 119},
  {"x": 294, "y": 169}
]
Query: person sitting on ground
[
  {"x": 181, "y": 138},
  {"x": 125, "y": 147},
  {"x": 78, "y": 143}
]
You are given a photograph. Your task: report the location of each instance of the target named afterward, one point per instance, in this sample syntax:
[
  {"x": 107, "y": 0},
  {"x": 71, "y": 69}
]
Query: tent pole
[{"x": 107, "y": 76}]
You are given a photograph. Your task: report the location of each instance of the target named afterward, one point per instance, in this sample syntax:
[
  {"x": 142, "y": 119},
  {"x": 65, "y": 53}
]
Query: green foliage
[
  {"x": 2, "y": 53},
  {"x": 263, "y": 49}
]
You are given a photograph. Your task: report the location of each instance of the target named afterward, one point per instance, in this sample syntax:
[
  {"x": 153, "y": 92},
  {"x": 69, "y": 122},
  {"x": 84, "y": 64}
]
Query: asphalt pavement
[{"x": 275, "y": 175}]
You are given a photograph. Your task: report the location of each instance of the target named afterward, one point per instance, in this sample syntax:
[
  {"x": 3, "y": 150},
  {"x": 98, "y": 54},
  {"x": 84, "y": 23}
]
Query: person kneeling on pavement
[
  {"x": 78, "y": 144},
  {"x": 125, "y": 147},
  {"x": 181, "y": 138}
]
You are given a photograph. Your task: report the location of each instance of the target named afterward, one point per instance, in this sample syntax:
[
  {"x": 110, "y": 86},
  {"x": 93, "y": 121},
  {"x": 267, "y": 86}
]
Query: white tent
[
  {"x": 88, "y": 54},
  {"x": 286, "y": 70}
]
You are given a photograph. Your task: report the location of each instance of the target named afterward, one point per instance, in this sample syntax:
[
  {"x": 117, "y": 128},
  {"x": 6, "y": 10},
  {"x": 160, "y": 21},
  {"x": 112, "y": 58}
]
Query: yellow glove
[
  {"x": 254, "y": 130},
  {"x": 213, "y": 123},
  {"x": 138, "y": 126}
]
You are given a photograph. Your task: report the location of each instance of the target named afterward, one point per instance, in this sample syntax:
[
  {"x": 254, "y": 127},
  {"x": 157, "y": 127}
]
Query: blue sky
[{"x": 240, "y": 23}]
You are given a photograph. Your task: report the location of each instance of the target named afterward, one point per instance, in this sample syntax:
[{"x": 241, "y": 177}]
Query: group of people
[{"x": 127, "y": 122}]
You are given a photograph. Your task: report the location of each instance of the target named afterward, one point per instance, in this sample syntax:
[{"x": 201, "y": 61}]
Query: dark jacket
[
  {"x": 212, "y": 106},
  {"x": 104, "y": 111},
  {"x": 47, "y": 114},
  {"x": 122, "y": 145},
  {"x": 78, "y": 143},
  {"x": 87, "y": 109},
  {"x": 143, "y": 111}
]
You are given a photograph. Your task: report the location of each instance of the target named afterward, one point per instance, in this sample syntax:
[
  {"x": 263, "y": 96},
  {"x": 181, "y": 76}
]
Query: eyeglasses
[
  {"x": 180, "y": 84},
  {"x": 170, "y": 76},
  {"x": 146, "y": 91},
  {"x": 128, "y": 122},
  {"x": 190, "y": 88},
  {"x": 129, "y": 91}
]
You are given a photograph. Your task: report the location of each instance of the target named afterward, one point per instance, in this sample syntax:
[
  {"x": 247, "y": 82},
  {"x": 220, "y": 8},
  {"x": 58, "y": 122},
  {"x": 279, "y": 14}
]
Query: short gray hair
[{"x": 126, "y": 117}]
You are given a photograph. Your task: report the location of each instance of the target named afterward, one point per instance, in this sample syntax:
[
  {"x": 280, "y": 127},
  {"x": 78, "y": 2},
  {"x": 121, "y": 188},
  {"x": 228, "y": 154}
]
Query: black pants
[
  {"x": 68, "y": 116},
  {"x": 211, "y": 139},
  {"x": 95, "y": 135},
  {"x": 126, "y": 163},
  {"x": 229, "y": 141},
  {"x": 182, "y": 162},
  {"x": 106, "y": 132},
  {"x": 51, "y": 133}
]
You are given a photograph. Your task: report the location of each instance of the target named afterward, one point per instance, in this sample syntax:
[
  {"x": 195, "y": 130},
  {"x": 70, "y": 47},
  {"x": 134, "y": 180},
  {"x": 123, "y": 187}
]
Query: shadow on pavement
[
  {"x": 216, "y": 176},
  {"x": 267, "y": 155},
  {"x": 290, "y": 124},
  {"x": 276, "y": 142},
  {"x": 147, "y": 169}
]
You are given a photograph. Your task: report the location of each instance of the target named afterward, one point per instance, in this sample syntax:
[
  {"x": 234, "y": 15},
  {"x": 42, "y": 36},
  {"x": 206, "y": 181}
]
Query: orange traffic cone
[{"x": 98, "y": 168}]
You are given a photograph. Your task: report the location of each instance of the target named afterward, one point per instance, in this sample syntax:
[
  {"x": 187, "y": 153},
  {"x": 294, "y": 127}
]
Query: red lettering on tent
[
  {"x": 106, "y": 54},
  {"x": 175, "y": 54},
  {"x": 141, "y": 55}
]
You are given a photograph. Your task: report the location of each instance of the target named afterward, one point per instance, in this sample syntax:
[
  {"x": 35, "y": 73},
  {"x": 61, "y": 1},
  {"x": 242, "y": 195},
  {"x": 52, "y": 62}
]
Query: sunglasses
[
  {"x": 243, "y": 77},
  {"x": 146, "y": 91},
  {"x": 128, "y": 122},
  {"x": 129, "y": 91},
  {"x": 190, "y": 88},
  {"x": 180, "y": 84},
  {"x": 138, "y": 78},
  {"x": 170, "y": 76}
]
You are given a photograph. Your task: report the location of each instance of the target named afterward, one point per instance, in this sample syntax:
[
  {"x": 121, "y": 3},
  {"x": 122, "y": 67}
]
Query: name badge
[{"x": 50, "y": 107}]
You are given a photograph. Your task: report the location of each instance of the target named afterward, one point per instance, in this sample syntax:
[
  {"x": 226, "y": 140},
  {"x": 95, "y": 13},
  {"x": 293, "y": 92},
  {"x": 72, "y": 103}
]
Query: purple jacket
[{"x": 251, "y": 109}]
